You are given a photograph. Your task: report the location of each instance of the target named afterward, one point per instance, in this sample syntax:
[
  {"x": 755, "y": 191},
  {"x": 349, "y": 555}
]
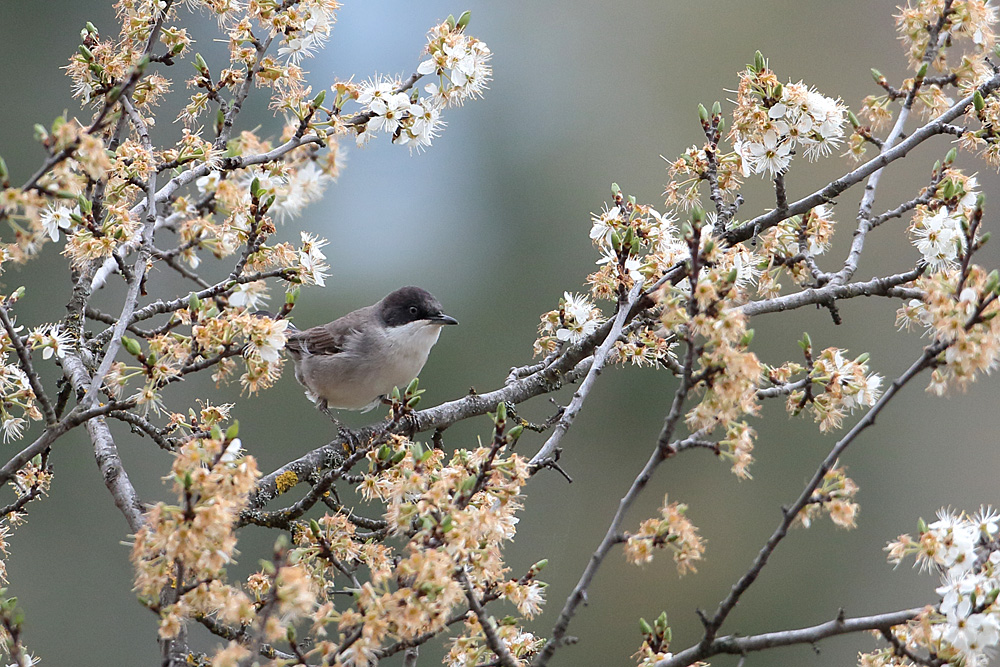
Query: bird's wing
[{"x": 333, "y": 338}]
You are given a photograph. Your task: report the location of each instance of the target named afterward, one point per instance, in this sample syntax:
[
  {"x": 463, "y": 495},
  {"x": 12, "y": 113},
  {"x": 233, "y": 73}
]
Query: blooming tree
[{"x": 419, "y": 556}]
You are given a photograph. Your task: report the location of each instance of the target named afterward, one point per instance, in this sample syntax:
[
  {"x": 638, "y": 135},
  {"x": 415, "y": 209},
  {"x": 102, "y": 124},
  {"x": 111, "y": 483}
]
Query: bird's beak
[{"x": 441, "y": 318}]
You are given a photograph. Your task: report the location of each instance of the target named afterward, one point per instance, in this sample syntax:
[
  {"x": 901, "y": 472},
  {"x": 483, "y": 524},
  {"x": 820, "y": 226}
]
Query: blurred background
[{"x": 494, "y": 220}]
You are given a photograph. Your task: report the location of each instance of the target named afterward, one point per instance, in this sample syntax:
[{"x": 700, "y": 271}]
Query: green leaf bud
[{"x": 131, "y": 346}]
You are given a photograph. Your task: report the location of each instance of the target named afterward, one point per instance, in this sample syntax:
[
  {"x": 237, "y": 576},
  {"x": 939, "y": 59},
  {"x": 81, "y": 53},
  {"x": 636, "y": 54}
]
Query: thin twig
[
  {"x": 24, "y": 357},
  {"x": 486, "y": 623},
  {"x": 580, "y": 395},
  {"x": 735, "y": 645}
]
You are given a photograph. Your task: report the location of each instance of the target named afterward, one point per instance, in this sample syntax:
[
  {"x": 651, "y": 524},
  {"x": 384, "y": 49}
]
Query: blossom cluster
[
  {"x": 844, "y": 385},
  {"x": 19, "y": 405},
  {"x": 966, "y": 21},
  {"x": 939, "y": 230},
  {"x": 576, "y": 318},
  {"x": 213, "y": 337},
  {"x": 446, "y": 521},
  {"x": 772, "y": 120},
  {"x": 791, "y": 245},
  {"x": 450, "y": 520},
  {"x": 963, "y": 549},
  {"x": 181, "y": 553},
  {"x": 672, "y": 531},
  {"x": 462, "y": 66},
  {"x": 699, "y": 310},
  {"x": 959, "y": 311},
  {"x": 691, "y": 169},
  {"x": 835, "y": 496},
  {"x": 636, "y": 242}
]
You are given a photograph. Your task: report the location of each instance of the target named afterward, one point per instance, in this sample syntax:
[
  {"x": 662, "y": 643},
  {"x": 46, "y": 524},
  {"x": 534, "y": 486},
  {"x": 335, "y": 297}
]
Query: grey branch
[
  {"x": 139, "y": 270},
  {"x": 885, "y": 286},
  {"x": 486, "y": 623},
  {"x": 549, "y": 379},
  {"x": 580, "y": 395},
  {"x": 735, "y": 645},
  {"x": 106, "y": 452}
]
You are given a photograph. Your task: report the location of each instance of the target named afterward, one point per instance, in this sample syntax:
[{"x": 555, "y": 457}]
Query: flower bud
[
  {"x": 697, "y": 215},
  {"x": 418, "y": 450},
  {"x": 131, "y": 346},
  {"x": 992, "y": 282}
]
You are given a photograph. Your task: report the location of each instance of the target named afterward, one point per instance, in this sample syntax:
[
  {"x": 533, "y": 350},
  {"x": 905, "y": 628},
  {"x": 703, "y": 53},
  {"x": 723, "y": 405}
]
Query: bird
[{"x": 353, "y": 362}]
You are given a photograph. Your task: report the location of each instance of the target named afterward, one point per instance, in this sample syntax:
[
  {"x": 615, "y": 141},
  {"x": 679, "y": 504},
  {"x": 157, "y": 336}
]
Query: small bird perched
[{"x": 356, "y": 360}]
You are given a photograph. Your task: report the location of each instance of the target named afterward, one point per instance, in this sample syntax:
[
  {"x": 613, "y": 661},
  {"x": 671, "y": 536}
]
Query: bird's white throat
[{"x": 414, "y": 337}]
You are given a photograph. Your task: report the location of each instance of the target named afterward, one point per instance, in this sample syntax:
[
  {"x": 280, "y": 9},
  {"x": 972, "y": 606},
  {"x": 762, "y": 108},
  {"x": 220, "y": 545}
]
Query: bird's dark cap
[{"x": 412, "y": 304}]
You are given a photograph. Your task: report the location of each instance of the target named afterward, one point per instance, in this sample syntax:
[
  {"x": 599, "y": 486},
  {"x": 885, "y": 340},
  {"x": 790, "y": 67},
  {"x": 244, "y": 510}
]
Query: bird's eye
[{"x": 413, "y": 310}]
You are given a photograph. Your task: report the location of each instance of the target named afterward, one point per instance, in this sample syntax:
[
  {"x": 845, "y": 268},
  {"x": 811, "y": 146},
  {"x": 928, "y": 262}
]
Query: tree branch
[{"x": 736, "y": 645}]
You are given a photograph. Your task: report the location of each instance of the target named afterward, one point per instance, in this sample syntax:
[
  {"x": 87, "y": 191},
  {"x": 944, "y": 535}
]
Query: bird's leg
[{"x": 350, "y": 440}]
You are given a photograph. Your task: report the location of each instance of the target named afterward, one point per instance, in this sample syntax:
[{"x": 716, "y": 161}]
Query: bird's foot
[{"x": 351, "y": 441}]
